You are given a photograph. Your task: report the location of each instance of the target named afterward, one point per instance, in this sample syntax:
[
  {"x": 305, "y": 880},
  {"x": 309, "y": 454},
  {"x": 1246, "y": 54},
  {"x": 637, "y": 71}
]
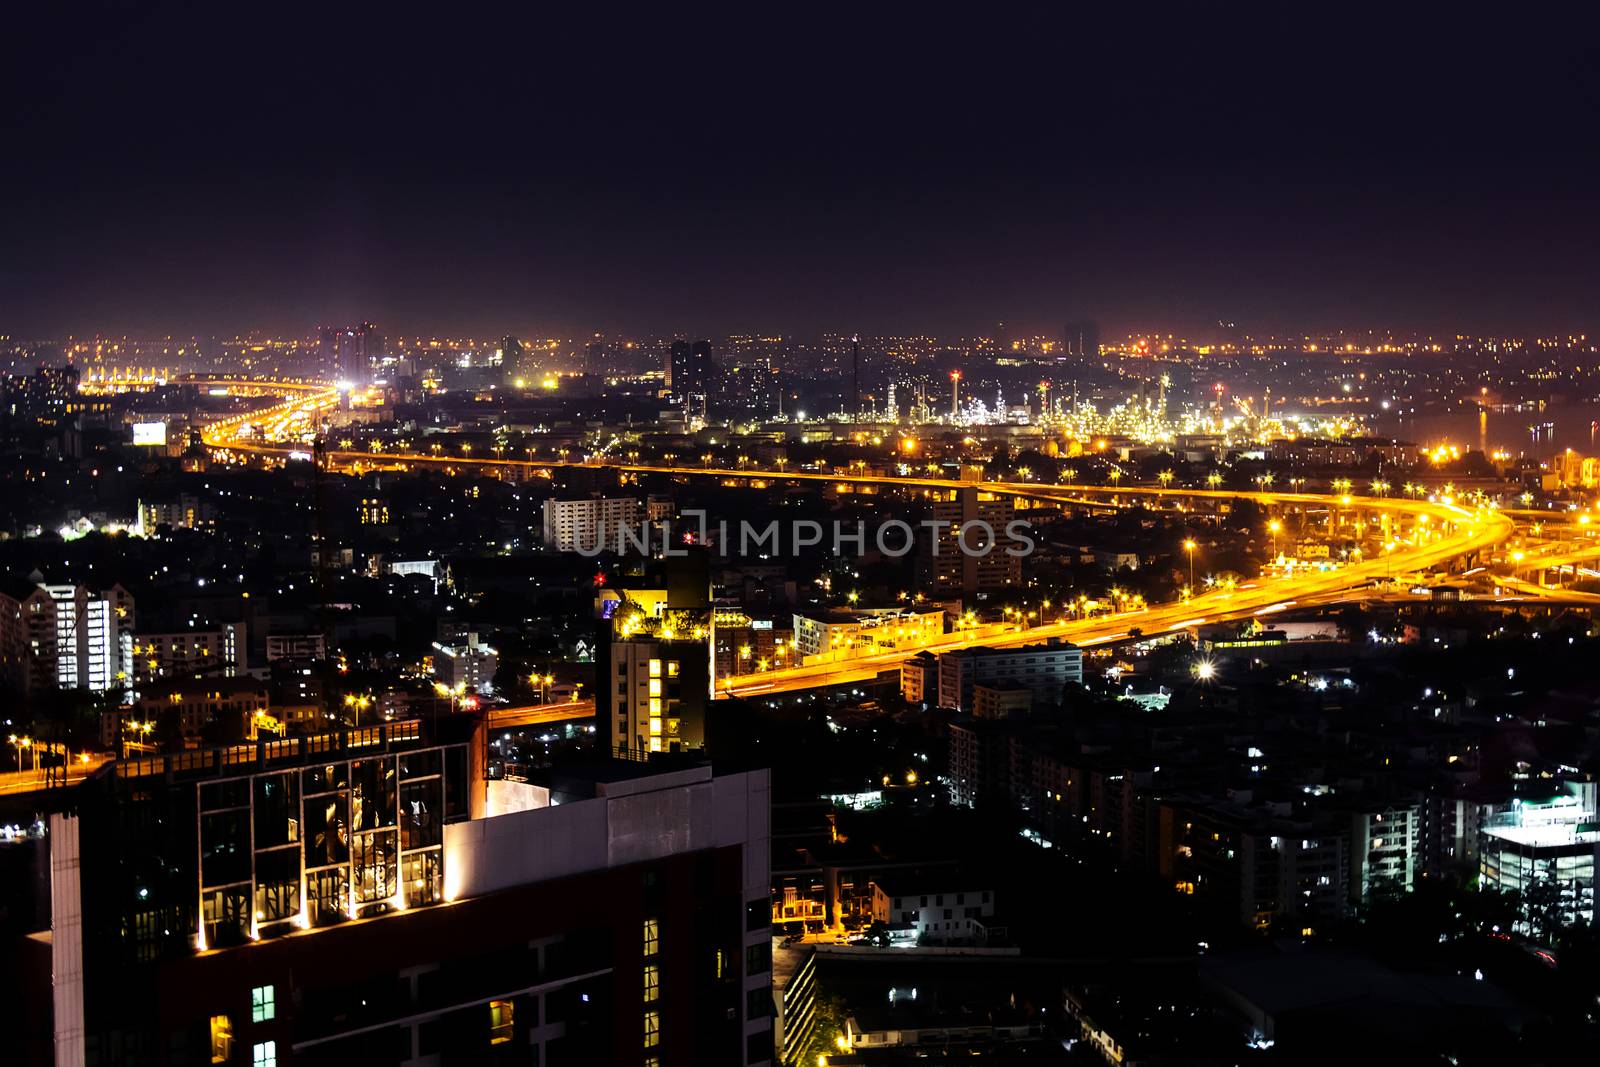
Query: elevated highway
[{"x": 1429, "y": 534}]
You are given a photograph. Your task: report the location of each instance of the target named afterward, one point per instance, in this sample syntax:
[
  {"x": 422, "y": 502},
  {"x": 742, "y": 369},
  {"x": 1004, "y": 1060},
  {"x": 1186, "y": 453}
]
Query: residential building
[
  {"x": 1042, "y": 669},
  {"x": 980, "y": 763},
  {"x": 1001, "y": 700},
  {"x": 971, "y": 551},
  {"x": 213, "y": 710},
  {"x": 936, "y": 912},
  {"x": 593, "y": 523},
  {"x": 919, "y": 679},
  {"x": 184, "y": 511},
  {"x": 1383, "y": 850},
  {"x": 467, "y": 667},
  {"x": 296, "y": 648},
  {"x": 66, "y": 636},
  {"x": 214, "y": 650},
  {"x": 653, "y": 669}
]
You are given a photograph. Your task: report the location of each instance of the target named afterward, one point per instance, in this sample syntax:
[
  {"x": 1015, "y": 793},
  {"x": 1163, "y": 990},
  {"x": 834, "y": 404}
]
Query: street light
[{"x": 1189, "y": 546}]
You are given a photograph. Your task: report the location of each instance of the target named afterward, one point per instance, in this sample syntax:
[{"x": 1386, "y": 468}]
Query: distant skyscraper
[
  {"x": 1082, "y": 339},
  {"x": 855, "y": 375},
  {"x": 689, "y": 373},
  {"x": 512, "y": 355},
  {"x": 350, "y": 351}
]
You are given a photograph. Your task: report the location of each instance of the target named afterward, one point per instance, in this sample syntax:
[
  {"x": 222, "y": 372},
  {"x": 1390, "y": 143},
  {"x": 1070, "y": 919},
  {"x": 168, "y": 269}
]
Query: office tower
[
  {"x": 945, "y": 566},
  {"x": 66, "y": 637},
  {"x": 365, "y": 896},
  {"x": 328, "y": 349},
  {"x": 354, "y": 350},
  {"x": 1082, "y": 339},
  {"x": 593, "y": 523}
]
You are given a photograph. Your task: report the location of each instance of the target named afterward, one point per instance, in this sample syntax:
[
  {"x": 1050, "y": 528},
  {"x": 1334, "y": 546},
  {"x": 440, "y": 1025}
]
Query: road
[
  {"x": 1441, "y": 532},
  {"x": 32, "y": 781},
  {"x": 538, "y": 714}
]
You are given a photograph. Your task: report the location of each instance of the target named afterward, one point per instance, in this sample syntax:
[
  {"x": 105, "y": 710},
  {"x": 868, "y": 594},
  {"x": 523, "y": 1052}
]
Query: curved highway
[{"x": 1442, "y": 532}]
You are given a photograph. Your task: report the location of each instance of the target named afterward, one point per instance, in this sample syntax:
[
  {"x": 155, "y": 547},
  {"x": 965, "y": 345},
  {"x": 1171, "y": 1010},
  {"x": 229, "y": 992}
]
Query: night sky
[{"x": 207, "y": 170}]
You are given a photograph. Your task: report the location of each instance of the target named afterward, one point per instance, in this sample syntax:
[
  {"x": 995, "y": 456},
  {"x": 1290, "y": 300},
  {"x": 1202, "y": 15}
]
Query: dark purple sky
[{"x": 203, "y": 169}]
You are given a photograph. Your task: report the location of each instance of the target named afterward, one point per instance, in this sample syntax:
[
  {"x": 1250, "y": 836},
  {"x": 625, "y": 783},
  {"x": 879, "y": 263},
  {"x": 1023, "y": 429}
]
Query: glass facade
[{"x": 315, "y": 845}]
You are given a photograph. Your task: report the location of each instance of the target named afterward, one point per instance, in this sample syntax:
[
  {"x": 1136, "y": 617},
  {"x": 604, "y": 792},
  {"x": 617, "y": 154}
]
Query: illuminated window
[
  {"x": 672, "y": 669},
  {"x": 263, "y": 1004},
  {"x": 652, "y": 1061},
  {"x": 264, "y": 1054},
  {"x": 652, "y": 1029},
  {"x": 655, "y": 668},
  {"x": 501, "y": 1021},
  {"x": 655, "y": 744},
  {"x": 655, "y": 705},
  {"x": 221, "y": 1039},
  {"x": 652, "y": 982},
  {"x": 655, "y": 726},
  {"x": 652, "y": 937},
  {"x": 655, "y": 687}
]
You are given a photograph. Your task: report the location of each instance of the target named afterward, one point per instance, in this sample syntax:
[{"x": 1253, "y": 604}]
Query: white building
[
  {"x": 592, "y": 523},
  {"x": 1042, "y": 668},
  {"x": 67, "y": 637},
  {"x": 1383, "y": 850},
  {"x": 1545, "y": 842},
  {"x": 936, "y": 914},
  {"x": 863, "y": 633},
  {"x": 468, "y": 667}
]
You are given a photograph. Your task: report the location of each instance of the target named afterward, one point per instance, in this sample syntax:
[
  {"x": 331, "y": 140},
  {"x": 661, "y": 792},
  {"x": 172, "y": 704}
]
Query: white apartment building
[
  {"x": 466, "y": 667},
  {"x": 592, "y": 523},
  {"x": 1044, "y": 669},
  {"x": 67, "y": 637}
]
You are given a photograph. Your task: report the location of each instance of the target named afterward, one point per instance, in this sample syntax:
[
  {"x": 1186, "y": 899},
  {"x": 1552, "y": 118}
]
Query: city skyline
[{"x": 798, "y": 538}]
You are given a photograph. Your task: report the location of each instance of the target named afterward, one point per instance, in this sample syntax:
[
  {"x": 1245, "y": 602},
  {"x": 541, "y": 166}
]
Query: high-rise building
[
  {"x": 689, "y": 370},
  {"x": 350, "y": 351},
  {"x": 592, "y": 523},
  {"x": 1383, "y": 850},
  {"x": 513, "y": 354},
  {"x": 66, "y": 637},
  {"x": 1082, "y": 339},
  {"x": 653, "y": 673},
  {"x": 365, "y": 896},
  {"x": 979, "y": 561}
]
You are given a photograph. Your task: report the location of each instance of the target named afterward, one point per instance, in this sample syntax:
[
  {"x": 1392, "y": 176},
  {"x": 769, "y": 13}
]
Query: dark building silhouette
[
  {"x": 689, "y": 369},
  {"x": 367, "y": 896}
]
